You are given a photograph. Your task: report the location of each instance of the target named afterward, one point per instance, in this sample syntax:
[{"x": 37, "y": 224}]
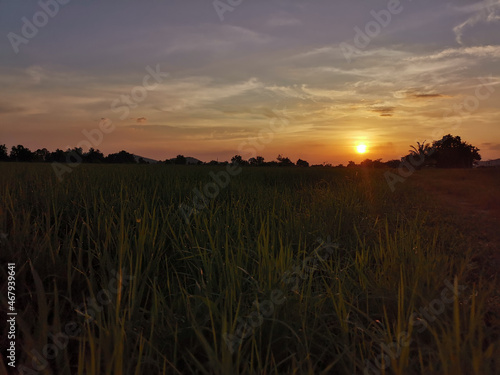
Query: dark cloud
[
  {"x": 384, "y": 111},
  {"x": 427, "y": 96},
  {"x": 416, "y": 94},
  {"x": 7, "y": 108},
  {"x": 493, "y": 146}
]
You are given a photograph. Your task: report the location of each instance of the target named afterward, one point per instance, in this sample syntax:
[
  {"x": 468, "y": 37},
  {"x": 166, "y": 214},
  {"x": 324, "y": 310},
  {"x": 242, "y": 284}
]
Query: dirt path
[
  {"x": 473, "y": 195},
  {"x": 473, "y": 198}
]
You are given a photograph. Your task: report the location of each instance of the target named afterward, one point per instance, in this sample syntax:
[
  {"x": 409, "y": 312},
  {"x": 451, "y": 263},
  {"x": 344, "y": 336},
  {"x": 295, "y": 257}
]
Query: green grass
[{"x": 167, "y": 291}]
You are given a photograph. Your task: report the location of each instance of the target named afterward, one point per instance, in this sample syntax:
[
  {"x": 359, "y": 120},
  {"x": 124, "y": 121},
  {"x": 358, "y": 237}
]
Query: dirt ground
[{"x": 472, "y": 197}]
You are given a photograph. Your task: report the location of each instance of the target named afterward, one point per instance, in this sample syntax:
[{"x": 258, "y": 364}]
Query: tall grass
[{"x": 108, "y": 250}]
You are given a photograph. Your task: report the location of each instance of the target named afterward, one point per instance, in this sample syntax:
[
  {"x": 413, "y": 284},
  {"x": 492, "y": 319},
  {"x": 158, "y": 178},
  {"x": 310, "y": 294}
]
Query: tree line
[{"x": 448, "y": 152}]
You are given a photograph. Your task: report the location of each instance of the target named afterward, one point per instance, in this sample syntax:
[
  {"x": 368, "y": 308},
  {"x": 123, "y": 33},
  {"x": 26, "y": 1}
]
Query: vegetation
[
  {"x": 449, "y": 152},
  {"x": 111, "y": 279}
]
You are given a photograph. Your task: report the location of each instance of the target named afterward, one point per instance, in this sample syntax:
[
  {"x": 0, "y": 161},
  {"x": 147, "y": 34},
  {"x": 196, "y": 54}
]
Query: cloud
[
  {"x": 478, "y": 51},
  {"x": 384, "y": 111},
  {"x": 141, "y": 120},
  {"x": 196, "y": 92},
  {"x": 283, "y": 20},
  {"x": 491, "y": 146},
  {"x": 427, "y": 96},
  {"x": 37, "y": 73},
  {"x": 485, "y": 12},
  {"x": 9, "y": 108},
  {"x": 414, "y": 94},
  {"x": 214, "y": 38}
]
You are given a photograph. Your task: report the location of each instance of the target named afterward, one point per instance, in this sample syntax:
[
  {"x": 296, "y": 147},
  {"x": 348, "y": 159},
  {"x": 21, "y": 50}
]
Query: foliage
[
  {"x": 107, "y": 250},
  {"x": 451, "y": 152},
  {"x": 302, "y": 163},
  {"x": 120, "y": 157},
  {"x": 180, "y": 160},
  {"x": 284, "y": 161},
  {"x": 448, "y": 152}
]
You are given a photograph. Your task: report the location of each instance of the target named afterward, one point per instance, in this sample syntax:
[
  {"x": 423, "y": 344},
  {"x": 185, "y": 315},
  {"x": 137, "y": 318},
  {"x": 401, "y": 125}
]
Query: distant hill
[
  {"x": 189, "y": 160},
  {"x": 489, "y": 163},
  {"x": 147, "y": 160}
]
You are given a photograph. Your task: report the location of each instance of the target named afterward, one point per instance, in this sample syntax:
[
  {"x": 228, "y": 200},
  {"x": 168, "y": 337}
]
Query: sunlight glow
[{"x": 361, "y": 149}]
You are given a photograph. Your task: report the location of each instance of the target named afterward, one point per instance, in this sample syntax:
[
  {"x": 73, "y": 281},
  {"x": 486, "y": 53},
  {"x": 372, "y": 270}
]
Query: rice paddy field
[{"x": 284, "y": 271}]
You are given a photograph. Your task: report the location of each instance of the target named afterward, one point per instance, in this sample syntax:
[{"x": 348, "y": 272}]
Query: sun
[{"x": 361, "y": 149}]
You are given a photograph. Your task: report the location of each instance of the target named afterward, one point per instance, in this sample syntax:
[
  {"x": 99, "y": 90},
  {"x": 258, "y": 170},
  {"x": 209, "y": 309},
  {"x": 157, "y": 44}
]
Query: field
[{"x": 285, "y": 271}]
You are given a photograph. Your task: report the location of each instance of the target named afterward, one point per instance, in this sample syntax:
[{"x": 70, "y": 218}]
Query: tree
[
  {"x": 93, "y": 156},
  {"x": 284, "y": 161},
  {"x": 351, "y": 164},
  {"x": 257, "y": 161},
  {"x": 42, "y": 154},
  {"x": 121, "y": 157},
  {"x": 58, "y": 156},
  {"x": 451, "y": 152},
  {"x": 238, "y": 160},
  {"x": 21, "y": 153},
  {"x": 74, "y": 155},
  {"x": 180, "y": 160},
  {"x": 420, "y": 155},
  {"x": 302, "y": 163},
  {"x": 369, "y": 163},
  {"x": 3, "y": 153},
  {"x": 393, "y": 163}
]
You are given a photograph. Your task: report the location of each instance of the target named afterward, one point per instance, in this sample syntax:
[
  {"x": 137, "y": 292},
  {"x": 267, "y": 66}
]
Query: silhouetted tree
[
  {"x": 257, "y": 161},
  {"x": 58, "y": 156},
  {"x": 41, "y": 155},
  {"x": 368, "y": 163},
  {"x": 302, "y": 163},
  {"x": 392, "y": 163},
  {"x": 420, "y": 155},
  {"x": 74, "y": 155},
  {"x": 93, "y": 156},
  {"x": 284, "y": 161},
  {"x": 21, "y": 153},
  {"x": 351, "y": 164},
  {"x": 451, "y": 152},
  {"x": 121, "y": 157},
  {"x": 180, "y": 160},
  {"x": 4, "y": 156},
  {"x": 237, "y": 159}
]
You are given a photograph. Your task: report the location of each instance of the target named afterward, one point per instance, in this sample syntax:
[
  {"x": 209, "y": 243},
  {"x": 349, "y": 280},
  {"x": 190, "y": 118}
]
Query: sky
[{"x": 307, "y": 79}]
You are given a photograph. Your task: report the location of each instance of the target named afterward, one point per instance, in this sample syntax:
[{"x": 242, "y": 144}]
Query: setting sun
[{"x": 361, "y": 149}]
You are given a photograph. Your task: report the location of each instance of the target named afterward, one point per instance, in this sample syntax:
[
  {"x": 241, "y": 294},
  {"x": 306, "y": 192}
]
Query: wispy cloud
[
  {"x": 477, "y": 51},
  {"x": 484, "y": 12},
  {"x": 283, "y": 20},
  {"x": 384, "y": 111}
]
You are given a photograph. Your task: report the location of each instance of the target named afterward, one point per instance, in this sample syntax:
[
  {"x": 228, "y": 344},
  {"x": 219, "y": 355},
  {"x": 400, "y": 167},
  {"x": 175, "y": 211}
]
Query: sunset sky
[{"x": 285, "y": 71}]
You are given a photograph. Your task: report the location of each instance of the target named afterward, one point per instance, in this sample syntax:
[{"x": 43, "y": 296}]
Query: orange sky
[{"x": 217, "y": 88}]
